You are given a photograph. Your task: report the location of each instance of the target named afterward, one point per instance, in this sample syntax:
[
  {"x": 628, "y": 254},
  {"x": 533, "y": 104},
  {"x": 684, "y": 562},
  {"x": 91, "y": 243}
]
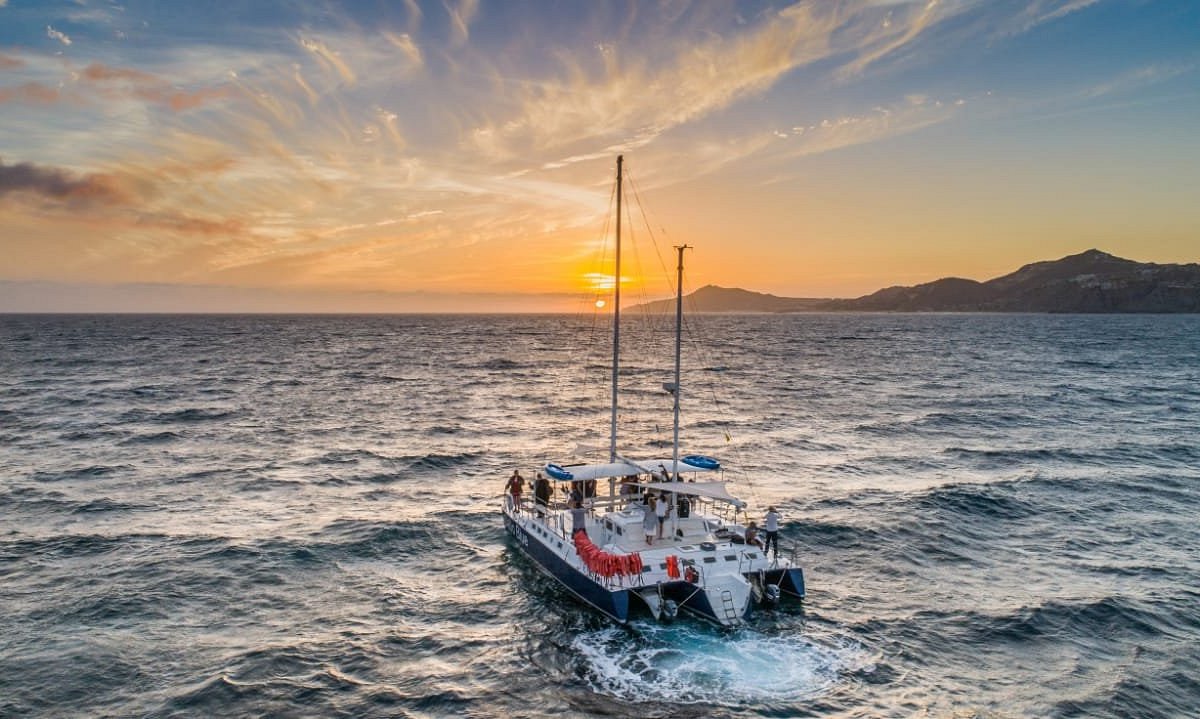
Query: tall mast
[
  {"x": 616, "y": 361},
  {"x": 678, "y": 344}
]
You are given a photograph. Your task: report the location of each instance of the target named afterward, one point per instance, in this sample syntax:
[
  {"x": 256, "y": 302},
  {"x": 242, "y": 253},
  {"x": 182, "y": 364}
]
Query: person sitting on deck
[{"x": 752, "y": 535}]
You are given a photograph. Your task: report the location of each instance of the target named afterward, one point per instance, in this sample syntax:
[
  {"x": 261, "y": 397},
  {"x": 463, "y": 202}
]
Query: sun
[{"x": 600, "y": 303}]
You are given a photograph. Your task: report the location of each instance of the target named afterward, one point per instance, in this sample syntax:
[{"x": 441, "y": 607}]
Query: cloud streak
[{"x": 61, "y": 37}]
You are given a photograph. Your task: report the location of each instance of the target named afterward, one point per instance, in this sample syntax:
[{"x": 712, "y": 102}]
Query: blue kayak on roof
[{"x": 698, "y": 460}]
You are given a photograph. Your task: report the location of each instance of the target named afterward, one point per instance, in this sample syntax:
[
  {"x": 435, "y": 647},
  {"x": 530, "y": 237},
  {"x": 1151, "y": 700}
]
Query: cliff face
[{"x": 1090, "y": 282}]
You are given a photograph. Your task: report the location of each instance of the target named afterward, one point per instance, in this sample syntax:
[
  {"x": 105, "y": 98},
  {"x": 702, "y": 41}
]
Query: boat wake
[{"x": 690, "y": 664}]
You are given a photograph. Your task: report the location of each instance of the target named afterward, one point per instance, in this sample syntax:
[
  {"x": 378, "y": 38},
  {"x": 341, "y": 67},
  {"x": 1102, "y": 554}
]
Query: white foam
[{"x": 690, "y": 664}]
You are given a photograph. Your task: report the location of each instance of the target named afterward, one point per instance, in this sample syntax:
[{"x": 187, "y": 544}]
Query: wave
[
  {"x": 345, "y": 456},
  {"x": 499, "y": 364},
  {"x": 977, "y": 500},
  {"x": 190, "y": 414},
  {"x": 94, "y": 471},
  {"x": 105, "y": 504},
  {"x": 1109, "y": 617},
  {"x": 692, "y": 665},
  {"x": 441, "y": 461},
  {"x": 155, "y": 438}
]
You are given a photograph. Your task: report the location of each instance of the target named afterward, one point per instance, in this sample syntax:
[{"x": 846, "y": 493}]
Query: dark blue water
[{"x": 298, "y": 516}]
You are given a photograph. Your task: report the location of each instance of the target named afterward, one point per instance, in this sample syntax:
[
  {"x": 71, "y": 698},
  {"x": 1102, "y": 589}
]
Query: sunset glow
[{"x": 459, "y": 155}]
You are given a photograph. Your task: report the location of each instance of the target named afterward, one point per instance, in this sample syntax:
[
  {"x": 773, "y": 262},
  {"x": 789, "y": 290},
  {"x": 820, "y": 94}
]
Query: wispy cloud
[
  {"x": 913, "y": 113},
  {"x": 462, "y": 13},
  {"x": 57, "y": 35},
  {"x": 627, "y": 102},
  {"x": 1038, "y": 12},
  {"x": 329, "y": 57}
]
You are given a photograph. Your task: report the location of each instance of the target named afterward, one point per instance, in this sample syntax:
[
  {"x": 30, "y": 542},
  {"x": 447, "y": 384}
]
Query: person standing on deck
[
  {"x": 516, "y": 483},
  {"x": 541, "y": 494},
  {"x": 649, "y": 518},
  {"x": 661, "y": 509},
  {"x": 771, "y": 530},
  {"x": 578, "y": 518}
]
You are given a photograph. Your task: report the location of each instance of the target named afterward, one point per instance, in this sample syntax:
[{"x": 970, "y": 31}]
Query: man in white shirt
[
  {"x": 771, "y": 530},
  {"x": 661, "y": 509}
]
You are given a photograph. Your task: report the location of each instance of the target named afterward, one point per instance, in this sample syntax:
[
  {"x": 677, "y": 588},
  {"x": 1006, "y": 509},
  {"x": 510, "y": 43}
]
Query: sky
[{"x": 458, "y": 155}]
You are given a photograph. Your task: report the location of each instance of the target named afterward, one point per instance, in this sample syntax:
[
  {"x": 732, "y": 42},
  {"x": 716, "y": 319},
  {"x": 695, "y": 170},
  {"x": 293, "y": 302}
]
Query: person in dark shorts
[{"x": 771, "y": 531}]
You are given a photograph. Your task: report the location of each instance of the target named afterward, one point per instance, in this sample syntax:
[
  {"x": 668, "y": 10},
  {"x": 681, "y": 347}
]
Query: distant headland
[{"x": 1089, "y": 282}]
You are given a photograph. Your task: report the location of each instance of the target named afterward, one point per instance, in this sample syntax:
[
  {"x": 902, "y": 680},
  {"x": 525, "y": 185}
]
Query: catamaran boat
[{"x": 604, "y": 544}]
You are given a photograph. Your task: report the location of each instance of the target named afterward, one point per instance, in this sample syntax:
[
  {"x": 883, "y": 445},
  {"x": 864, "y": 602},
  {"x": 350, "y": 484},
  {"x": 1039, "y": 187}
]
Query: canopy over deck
[
  {"x": 712, "y": 490},
  {"x": 625, "y": 467},
  {"x": 584, "y": 472}
]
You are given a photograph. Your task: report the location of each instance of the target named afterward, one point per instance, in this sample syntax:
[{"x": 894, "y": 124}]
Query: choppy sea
[{"x": 298, "y": 515}]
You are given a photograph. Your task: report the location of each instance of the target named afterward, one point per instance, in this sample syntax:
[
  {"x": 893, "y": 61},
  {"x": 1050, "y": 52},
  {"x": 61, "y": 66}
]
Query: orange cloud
[
  {"x": 33, "y": 93},
  {"x": 151, "y": 88}
]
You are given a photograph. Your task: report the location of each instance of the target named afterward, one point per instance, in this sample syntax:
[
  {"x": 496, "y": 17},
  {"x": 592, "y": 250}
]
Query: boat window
[
  {"x": 709, "y": 560},
  {"x": 730, "y": 557},
  {"x": 751, "y": 555},
  {"x": 662, "y": 565},
  {"x": 619, "y": 531}
]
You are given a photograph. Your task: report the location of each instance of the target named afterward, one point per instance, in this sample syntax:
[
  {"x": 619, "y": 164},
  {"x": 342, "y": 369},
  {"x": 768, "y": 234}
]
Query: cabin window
[
  {"x": 752, "y": 555},
  {"x": 646, "y": 570},
  {"x": 709, "y": 560},
  {"x": 662, "y": 565},
  {"x": 730, "y": 557},
  {"x": 619, "y": 531}
]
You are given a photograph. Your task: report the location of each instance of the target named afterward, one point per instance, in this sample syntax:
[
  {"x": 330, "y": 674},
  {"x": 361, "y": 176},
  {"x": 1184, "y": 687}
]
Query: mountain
[
  {"x": 1089, "y": 282},
  {"x": 712, "y": 298}
]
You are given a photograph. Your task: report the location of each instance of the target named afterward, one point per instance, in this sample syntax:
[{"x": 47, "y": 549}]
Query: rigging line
[
  {"x": 662, "y": 265},
  {"x": 694, "y": 327},
  {"x": 594, "y": 315},
  {"x": 658, "y": 325},
  {"x": 692, "y": 335}
]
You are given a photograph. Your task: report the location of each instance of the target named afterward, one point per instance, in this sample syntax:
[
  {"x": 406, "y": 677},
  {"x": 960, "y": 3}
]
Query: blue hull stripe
[{"x": 614, "y": 604}]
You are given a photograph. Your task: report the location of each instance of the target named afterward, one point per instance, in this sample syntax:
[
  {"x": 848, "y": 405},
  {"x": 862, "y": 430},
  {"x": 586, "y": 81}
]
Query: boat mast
[
  {"x": 616, "y": 361},
  {"x": 678, "y": 344}
]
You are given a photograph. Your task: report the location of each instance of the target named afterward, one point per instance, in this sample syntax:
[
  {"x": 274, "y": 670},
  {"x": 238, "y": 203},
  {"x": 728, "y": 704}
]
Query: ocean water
[{"x": 298, "y": 516}]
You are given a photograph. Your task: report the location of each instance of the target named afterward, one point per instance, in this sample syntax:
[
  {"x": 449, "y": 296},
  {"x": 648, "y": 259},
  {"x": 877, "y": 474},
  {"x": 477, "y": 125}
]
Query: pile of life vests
[
  {"x": 604, "y": 564},
  {"x": 689, "y": 573}
]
